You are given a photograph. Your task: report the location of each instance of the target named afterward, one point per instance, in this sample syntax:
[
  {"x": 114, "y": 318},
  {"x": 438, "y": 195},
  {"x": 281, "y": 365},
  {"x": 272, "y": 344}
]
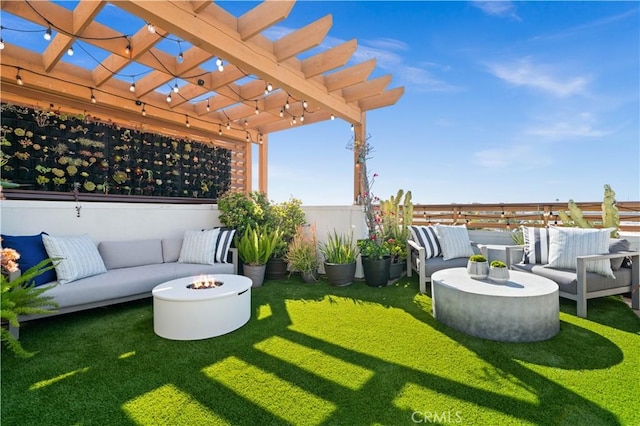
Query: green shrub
[
  {"x": 478, "y": 258},
  {"x": 256, "y": 244},
  {"x": 339, "y": 248},
  {"x": 498, "y": 264}
]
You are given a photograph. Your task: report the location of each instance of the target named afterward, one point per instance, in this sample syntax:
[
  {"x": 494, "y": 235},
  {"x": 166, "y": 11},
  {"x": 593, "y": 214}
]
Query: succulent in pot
[{"x": 478, "y": 267}]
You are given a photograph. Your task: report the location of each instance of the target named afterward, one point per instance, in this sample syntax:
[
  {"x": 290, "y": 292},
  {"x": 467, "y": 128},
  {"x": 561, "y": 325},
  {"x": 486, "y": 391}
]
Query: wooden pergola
[{"x": 263, "y": 85}]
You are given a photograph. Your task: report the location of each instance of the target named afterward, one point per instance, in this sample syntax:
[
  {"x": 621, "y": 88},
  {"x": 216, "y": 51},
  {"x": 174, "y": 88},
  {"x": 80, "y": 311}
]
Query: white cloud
[
  {"x": 520, "y": 157},
  {"x": 501, "y": 8},
  {"x": 542, "y": 77}
]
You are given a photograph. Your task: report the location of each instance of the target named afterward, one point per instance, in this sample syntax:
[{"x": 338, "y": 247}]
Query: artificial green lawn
[{"x": 313, "y": 354}]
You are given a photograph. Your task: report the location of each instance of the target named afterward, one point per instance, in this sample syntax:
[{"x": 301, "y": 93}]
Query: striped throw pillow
[
  {"x": 78, "y": 257},
  {"x": 199, "y": 247},
  {"x": 566, "y": 244},
  {"x": 454, "y": 241},
  {"x": 225, "y": 238},
  {"x": 426, "y": 237},
  {"x": 536, "y": 245}
]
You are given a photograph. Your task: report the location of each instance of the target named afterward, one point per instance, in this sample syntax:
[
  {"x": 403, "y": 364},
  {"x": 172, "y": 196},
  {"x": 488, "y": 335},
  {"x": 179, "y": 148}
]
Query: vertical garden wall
[{"x": 53, "y": 151}]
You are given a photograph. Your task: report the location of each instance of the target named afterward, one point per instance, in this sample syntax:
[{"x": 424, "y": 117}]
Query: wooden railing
[{"x": 512, "y": 215}]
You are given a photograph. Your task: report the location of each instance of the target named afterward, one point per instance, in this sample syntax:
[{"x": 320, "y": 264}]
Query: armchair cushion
[
  {"x": 617, "y": 245},
  {"x": 426, "y": 237},
  {"x": 454, "y": 241},
  {"x": 566, "y": 244},
  {"x": 199, "y": 246}
]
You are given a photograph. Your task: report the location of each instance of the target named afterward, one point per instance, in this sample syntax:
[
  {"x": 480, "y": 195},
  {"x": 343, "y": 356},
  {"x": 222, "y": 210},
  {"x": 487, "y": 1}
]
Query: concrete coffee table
[
  {"x": 524, "y": 309},
  {"x": 183, "y": 313}
]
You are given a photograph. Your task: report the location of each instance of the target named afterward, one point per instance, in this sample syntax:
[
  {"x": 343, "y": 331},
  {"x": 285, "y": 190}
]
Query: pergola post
[
  {"x": 263, "y": 150},
  {"x": 359, "y": 138}
]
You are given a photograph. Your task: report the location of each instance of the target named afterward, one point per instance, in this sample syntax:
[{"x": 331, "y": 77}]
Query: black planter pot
[
  {"x": 376, "y": 271},
  {"x": 276, "y": 269},
  {"x": 340, "y": 274},
  {"x": 396, "y": 269}
]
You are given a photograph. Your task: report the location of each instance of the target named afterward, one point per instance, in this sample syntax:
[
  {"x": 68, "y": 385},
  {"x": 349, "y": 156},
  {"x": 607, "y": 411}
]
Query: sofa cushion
[
  {"x": 32, "y": 251},
  {"x": 567, "y": 279},
  {"x": 454, "y": 241},
  {"x": 536, "y": 245},
  {"x": 566, "y": 244},
  {"x": 78, "y": 257},
  {"x": 438, "y": 263},
  {"x": 426, "y": 237},
  {"x": 199, "y": 246},
  {"x": 123, "y": 254},
  {"x": 225, "y": 238},
  {"x": 171, "y": 249},
  {"x": 616, "y": 245}
]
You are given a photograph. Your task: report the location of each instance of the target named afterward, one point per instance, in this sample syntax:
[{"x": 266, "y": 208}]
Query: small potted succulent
[
  {"x": 498, "y": 272},
  {"x": 340, "y": 252},
  {"x": 478, "y": 267}
]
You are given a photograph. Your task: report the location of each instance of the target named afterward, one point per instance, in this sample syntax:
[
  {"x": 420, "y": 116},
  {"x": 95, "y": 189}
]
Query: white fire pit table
[
  {"x": 183, "y": 313},
  {"x": 524, "y": 309}
]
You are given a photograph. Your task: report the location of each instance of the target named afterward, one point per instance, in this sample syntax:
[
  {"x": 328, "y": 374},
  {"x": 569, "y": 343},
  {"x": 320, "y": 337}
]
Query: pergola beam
[
  {"x": 329, "y": 59},
  {"x": 263, "y": 16}
]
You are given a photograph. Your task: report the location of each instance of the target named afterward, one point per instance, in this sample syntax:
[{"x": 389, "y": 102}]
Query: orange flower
[{"x": 8, "y": 259}]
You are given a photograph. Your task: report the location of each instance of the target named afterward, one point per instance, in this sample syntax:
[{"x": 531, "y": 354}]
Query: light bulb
[
  {"x": 70, "y": 51},
  {"x": 127, "y": 49},
  {"x": 132, "y": 88},
  {"x": 19, "y": 79},
  {"x": 47, "y": 34},
  {"x": 218, "y": 62},
  {"x": 281, "y": 112},
  {"x": 220, "y": 129},
  {"x": 144, "y": 112},
  {"x": 333, "y": 117},
  {"x": 1, "y": 44},
  {"x": 302, "y": 118},
  {"x": 169, "y": 97},
  {"x": 245, "y": 123},
  {"x": 180, "y": 57},
  {"x": 257, "y": 110},
  {"x": 228, "y": 126},
  {"x": 294, "y": 119},
  {"x": 247, "y": 137},
  {"x": 187, "y": 122},
  {"x": 208, "y": 106},
  {"x": 220, "y": 68},
  {"x": 287, "y": 104},
  {"x": 304, "y": 104},
  {"x": 269, "y": 87},
  {"x": 93, "y": 99},
  {"x": 151, "y": 28},
  {"x": 176, "y": 89}
]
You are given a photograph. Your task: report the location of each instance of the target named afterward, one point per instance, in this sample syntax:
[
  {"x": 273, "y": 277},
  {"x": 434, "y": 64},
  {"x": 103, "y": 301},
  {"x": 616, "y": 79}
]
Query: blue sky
[{"x": 504, "y": 102}]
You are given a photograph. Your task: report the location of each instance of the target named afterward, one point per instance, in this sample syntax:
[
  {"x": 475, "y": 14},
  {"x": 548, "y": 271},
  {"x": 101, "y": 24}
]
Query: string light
[
  {"x": 18, "y": 78},
  {"x": 302, "y": 117},
  {"x": 169, "y": 98},
  {"x": 93, "y": 98},
  {"x": 352, "y": 127},
  {"x": 208, "y": 106},
  {"x": 257, "y": 110},
  {"x": 246, "y": 123},
  {"x": 219, "y": 64},
  {"x": 144, "y": 111},
  {"x": 294, "y": 120},
  {"x": 180, "y": 57},
  {"x": 305, "y": 104},
  {"x": 186, "y": 122},
  {"x": 281, "y": 112},
  {"x": 228, "y": 126},
  {"x": 1, "y": 44},
  {"x": 127, "y": 49},
  {"x": 151, "y": 28},
  {"x": 286, "y": 105},
  {"x": 47, "y": 34},
  {"x": 132, "y": 88},
  {"x": 176, "y": 89},
  {"x": 268, "y": 88},
  {"x": 70, "y": 51},
  {"x": 220, "y": 129},
  {"x": 248, "y": 139},
  {"x": 333, "y": 117}
]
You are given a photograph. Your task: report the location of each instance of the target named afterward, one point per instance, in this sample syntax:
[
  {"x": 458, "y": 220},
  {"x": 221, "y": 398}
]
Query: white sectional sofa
[{"x": 133, "y": 269}]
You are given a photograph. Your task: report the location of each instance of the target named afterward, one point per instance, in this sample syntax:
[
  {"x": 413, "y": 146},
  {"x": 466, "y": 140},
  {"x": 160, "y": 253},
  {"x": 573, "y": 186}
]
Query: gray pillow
[
  {"x": 124, "y": 254},
  {"x": 617, "y": 245},
  {"x": 171, "y": 249}
]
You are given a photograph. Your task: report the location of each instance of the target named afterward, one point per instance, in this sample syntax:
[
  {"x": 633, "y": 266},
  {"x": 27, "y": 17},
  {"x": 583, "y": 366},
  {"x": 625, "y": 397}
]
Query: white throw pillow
[
  {"x": 79, "y": 257},
  {"x": 199, "y": 247},
  {"x": 454, "y": 241},
  {"x": 566, "y": 244}
]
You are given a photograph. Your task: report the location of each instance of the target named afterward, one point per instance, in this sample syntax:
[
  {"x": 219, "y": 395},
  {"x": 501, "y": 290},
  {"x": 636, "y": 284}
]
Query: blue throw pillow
[{"x": 32, "y": 252}]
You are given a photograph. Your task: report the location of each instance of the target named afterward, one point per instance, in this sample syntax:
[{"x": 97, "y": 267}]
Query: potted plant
[
  {"x": 339, "y": 252},
  {"x": 398, "y": 251},
  {"x": 498, "y": 272},
  {"x": 20, "y": 296},
  {"x": 302, "y": 253},
  {"x": 255, "y": 246},
  {"x": 376, "y": 261},
  {"x": 287, "y": 217},
  {"x": 478, "y": 267}
]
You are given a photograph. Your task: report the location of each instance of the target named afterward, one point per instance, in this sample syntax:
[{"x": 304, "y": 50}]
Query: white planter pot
[
  {"x": 478, "y": 270},
  {"x": 499, "y": 275}
]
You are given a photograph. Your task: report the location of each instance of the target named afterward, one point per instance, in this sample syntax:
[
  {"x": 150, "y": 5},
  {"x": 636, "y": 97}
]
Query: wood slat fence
[{"x": 511, "y": 215}]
